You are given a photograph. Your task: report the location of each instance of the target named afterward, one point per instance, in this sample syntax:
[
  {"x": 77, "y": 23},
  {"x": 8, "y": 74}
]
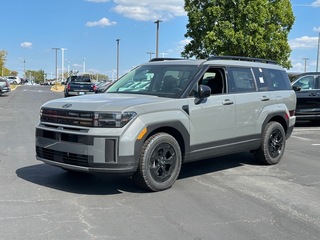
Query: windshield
[{"x": 159, "y": 80}]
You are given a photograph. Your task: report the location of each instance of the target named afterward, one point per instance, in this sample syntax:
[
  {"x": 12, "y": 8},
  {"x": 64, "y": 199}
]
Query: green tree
[
  {"x": 35, "y": 76},
  {"x": 3, "y": 70},
  {"x": 251, "y": 28}
]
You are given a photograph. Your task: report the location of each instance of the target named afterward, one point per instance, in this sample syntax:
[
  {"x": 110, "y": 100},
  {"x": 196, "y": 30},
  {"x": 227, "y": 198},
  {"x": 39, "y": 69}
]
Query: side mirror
[
  {"x": 296, "y": 88},
  {"x": 203, "y": 92}
]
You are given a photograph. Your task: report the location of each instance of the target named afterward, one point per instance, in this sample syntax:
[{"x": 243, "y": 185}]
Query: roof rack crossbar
[
  {"x": 165, "y": 59},
  {"x": 242, "y": 59}
]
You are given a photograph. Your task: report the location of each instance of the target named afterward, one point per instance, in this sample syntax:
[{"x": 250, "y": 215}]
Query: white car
[{"x": 13, "y": 80}]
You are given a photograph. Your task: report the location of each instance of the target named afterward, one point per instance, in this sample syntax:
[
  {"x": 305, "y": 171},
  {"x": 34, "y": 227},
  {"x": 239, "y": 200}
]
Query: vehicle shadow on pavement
[
  {"x": 217, "y": 164},
  {"x": 76, "y": 182},
  {"x": 102, "y": 184}
]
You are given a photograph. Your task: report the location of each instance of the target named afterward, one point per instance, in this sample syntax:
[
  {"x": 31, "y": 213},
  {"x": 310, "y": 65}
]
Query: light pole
[
  {"x": 56, "y": 60},
  {"x": 118, "y": 40},
  {"x": 150, "y": 53},
  {"x": 84, "y": 65},
  {"x": 62, "y": 63},
  {"x": 157, "y": 37},
  {"x": 318, "y": 52},
  {"x": 305, "y": 64}
]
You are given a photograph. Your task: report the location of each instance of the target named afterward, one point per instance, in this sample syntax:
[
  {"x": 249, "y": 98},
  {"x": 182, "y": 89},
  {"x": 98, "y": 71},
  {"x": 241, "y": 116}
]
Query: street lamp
[
  {"x": 318, "y": 52},
  {"x": 157, "y": 37},
  {"x": 118, "y": 40},
  {"x": 62, "y": 63},
  {"x": 56, "y": 60},
  {"x": 84, "y": 65},
  {"x": 150, "y": 53},
  {"x": 305, "y": 64}
]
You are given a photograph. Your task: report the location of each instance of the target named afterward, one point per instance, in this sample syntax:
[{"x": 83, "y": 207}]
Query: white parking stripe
[{"x": 302, "y": 138}]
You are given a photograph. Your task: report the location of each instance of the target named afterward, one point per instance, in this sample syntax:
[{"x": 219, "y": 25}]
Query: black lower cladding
[
  {"x": 66, "y": 137},
  {"x": 65, "y": 157}
]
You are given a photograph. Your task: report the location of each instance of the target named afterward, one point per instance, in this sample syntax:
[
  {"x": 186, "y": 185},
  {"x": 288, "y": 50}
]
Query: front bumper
[{"x": 82, "y": 152}]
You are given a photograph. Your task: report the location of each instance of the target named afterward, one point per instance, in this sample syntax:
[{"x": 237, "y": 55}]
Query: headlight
[{"x": 113, "y": 119}]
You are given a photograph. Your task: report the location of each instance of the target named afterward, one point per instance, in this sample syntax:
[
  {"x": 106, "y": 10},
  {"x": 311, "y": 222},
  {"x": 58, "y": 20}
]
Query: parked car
[
  {"x": 307, "y": 87},
  {"x": 13, "y": 80},
  {"x": 102, "y": 86},
  {"x": 165, "y": 113},
  {"x": 4, "y": 86}
]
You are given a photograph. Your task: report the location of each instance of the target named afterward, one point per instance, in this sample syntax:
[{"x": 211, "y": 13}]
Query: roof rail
[
  {"x": 250, "y": 59},
  {"x": 164, "y": 59}
]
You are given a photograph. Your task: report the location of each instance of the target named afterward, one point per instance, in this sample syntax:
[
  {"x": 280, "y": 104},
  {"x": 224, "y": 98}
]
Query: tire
[
  {"x": 159, "y": 163},
  {"x": 272, "y": 144}
]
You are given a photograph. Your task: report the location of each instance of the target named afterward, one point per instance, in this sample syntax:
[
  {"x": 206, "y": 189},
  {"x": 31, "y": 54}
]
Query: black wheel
[
  {"x": 272, "y": 144},
  {"x": 159, "y": 164}
]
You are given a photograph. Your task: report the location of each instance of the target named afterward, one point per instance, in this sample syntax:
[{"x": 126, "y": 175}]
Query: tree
[
  {"x": 3, "y": 55},
  {"x": 35, "y": 76},
  {"x": 251, "y": 28}
]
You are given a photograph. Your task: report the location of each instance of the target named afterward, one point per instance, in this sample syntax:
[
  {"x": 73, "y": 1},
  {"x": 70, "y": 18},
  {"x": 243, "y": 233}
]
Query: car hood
[{"x": 106, "y": 102}]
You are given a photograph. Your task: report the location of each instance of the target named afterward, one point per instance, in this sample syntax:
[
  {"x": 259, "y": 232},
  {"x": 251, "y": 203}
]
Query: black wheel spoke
[
  {"x": 162, "y": 162},
  {"x": 275, "y": 143}
]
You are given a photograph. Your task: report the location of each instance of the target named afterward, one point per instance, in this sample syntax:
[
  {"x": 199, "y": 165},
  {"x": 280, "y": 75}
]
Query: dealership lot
[{"x": 229, "y": 197}]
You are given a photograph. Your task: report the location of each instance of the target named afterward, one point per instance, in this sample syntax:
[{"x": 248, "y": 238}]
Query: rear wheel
[
  {"x": 272, "y": 144},
  {"x": 159, "y": 164}
]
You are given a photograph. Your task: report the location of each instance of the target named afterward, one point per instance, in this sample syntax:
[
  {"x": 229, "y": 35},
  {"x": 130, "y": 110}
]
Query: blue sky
[{"x": 88, "y": 30}]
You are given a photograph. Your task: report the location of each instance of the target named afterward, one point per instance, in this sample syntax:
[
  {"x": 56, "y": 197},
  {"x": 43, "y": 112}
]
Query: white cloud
[
  {"x": 26, "y": 44},
  {"x": 150, "y": 10},
  {"x": 98, "y": 1},
  {"x": 304, "y": 42},
  {"x": 316, "y": 29},
  {"x": 103, "y": 22},
  {"x": 316, "y": 3}
]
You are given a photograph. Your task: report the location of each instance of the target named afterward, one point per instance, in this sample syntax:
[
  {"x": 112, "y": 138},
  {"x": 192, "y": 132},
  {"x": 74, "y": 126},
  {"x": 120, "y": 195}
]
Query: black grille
[
  {"x": 68, "y": 117},
  {"x": 64, "y": 157}
]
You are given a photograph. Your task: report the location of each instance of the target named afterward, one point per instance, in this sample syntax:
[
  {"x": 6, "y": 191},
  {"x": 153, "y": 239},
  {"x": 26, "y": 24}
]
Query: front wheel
[
  {"x": 272, "y": 144},
  {"x": 159, "y": 164}
]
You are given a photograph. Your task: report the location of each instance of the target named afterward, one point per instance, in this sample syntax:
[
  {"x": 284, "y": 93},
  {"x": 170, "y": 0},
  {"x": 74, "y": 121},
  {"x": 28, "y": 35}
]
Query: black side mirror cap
[{"x": 296, "y": 88}]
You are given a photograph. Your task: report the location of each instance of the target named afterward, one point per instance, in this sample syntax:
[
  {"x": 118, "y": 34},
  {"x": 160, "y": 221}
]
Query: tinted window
[
  {"x": 306, "y": 82},
  {"x": 262, "y": 79},
  {"x": 279, "y": 79},
  {"x": 240, "y": 80}
]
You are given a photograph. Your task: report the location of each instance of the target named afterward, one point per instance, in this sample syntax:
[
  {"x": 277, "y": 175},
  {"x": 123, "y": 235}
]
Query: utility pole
[
  {"x": 84, "y": 65},
  {"x": 56, "y": 60},
  {"x": 150, "y": 53},
  {"x": 305, "y": 63},
  {"x": 157, "y": 37},
  {"x": 118, "y": 40},
  {"x": 62, "y": 64},
  {"x": 318, "y": 52}
]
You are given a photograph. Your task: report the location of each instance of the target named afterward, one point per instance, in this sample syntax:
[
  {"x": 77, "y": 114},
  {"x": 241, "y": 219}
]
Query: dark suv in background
[
  {"x": 307, "y": 87},
  {"x": 79, "y": 85}
]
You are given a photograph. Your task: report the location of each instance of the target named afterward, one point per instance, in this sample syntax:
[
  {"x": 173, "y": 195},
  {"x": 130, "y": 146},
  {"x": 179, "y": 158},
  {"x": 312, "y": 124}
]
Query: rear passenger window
[
  {"x": 262, "y": 79},
  {"x": 240, "y": 80},
  {"x": 279, "y": 79}
]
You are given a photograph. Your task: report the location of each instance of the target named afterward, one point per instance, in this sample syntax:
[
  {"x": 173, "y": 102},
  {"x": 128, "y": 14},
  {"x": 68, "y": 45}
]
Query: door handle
[
  {"x": 227, "y": 102},
  {"x": 264, "y": 98}
]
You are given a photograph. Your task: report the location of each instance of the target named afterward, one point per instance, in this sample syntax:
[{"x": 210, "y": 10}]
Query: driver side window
[{"x": 306, "y": 82}]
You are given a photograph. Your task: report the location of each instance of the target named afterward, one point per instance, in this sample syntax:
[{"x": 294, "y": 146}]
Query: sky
[{"x": 88, "y": 31}]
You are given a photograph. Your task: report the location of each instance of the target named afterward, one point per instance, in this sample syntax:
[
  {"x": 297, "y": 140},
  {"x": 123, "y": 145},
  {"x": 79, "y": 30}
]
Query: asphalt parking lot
[{"x": 229, "y": 197}]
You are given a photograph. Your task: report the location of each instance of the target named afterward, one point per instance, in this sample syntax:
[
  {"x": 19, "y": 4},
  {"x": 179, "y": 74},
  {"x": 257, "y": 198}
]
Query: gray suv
[{"x": 168, "y": 112}]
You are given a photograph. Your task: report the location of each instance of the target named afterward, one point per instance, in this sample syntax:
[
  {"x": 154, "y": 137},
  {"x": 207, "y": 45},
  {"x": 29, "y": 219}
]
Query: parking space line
[{"x": 302, "y": 138}]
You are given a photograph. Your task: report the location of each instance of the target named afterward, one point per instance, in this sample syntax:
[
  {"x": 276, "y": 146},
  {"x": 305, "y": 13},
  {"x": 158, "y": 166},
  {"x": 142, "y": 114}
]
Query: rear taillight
[
  {"x": 68, "y": 86},
  {"x": 94, "y": 87}
]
